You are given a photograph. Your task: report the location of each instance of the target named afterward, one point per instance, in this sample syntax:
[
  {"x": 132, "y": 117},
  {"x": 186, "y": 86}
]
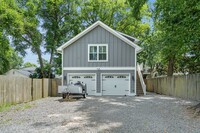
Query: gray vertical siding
[
  {"x": 120, "y": 54},
  {"x": 98, "y": 73}
]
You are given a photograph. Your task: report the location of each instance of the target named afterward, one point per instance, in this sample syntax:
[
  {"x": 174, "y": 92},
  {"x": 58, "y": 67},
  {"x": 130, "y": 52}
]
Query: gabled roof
[
  {"x": 29, "y": 69},
  {"x": 120, "y": 35},
  {"x": 133, "y": 39},
  {"x": 24, "y": 71}
]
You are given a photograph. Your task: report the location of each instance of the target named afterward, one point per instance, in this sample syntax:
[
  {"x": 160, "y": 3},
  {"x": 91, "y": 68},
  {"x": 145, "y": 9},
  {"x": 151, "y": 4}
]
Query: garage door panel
[
  {"x": 88, "y": 79},
  {"x": 90, "y": 82},
  {"x": 115, "y": 84}
]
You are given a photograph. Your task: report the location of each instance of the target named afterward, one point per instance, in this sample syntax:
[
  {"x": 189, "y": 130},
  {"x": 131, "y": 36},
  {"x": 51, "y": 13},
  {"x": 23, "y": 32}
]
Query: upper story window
[{"x": 97, "y": 52}]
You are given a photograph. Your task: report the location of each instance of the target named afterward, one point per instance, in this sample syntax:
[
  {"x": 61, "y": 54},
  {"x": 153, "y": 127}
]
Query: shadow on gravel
[
  {"x": 70, "y": 99},
  {"x": 107, "y": 114},
  {"x": 119, "y": 114},
  {"x": 42, "y": 124},
  {"x": 195, "y": 110}
]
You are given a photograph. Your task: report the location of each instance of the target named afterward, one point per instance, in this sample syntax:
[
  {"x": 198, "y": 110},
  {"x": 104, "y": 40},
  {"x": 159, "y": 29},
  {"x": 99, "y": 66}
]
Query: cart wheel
[
  {"x": 84, "y": 95},
  {"x": 64, "y": 96}
]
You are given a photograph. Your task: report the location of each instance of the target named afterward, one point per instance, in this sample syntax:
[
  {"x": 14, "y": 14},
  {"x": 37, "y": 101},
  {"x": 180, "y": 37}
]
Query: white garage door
[
  {"x": 115, "y": 84},
  {"x": 88, "y": 79}
]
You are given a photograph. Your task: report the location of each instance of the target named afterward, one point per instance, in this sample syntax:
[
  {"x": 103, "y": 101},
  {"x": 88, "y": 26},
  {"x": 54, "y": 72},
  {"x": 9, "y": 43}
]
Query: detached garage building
[{"x": 102, "y": 58}]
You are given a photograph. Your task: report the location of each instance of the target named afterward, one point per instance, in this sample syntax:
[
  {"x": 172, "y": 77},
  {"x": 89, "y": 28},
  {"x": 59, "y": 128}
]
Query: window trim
[{"x": 89, "y": 45}]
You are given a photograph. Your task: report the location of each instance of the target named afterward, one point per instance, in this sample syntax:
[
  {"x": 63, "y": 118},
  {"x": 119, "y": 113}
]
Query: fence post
[
  {"x": 50, "y": 88},
  {"x": 31, "y": 89},
  {"x": 198, "y": 87},
  {"x": 42, "y": 87}
]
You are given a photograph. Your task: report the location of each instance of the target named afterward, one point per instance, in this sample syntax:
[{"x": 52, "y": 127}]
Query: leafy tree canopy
[
  {"x": 29, "y": 64},
  {"x": 168, "y": 31},
  {"x": 174, "y": 40}
]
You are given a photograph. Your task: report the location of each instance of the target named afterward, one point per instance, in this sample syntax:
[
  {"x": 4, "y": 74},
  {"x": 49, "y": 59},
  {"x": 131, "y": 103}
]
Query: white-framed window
[{"x": 97, "y": 52}]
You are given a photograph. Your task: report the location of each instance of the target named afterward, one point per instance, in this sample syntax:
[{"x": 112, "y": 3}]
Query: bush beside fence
[
  {"x": 19, "y": 89},
  {"x": 186, "y": 86}
]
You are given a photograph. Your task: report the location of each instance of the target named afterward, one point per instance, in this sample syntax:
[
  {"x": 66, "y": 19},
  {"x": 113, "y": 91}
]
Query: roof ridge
[{"x": 106, "y": 27}]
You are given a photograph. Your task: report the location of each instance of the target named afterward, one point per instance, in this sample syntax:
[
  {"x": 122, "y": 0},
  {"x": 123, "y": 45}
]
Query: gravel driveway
[{"x": 152, "y": 113}]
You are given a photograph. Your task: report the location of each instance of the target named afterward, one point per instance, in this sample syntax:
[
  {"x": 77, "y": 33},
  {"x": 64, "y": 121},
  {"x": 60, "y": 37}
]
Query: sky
[{"x": 32, "y": 58}]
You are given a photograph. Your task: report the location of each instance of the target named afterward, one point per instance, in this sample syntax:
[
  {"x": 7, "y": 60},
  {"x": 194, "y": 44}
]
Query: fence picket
[
  {"x": 18, "y": 89},
  {"x": 186, "y": 86}
]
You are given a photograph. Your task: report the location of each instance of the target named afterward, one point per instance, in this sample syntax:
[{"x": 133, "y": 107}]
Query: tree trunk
[
  {"x": 41, "y": 66},
  {"x": 40, "y": 61},
  {"x": 55, "y": 38},
  {"x": 50, "y": 63},
  {"x": 170, "y": 66}
]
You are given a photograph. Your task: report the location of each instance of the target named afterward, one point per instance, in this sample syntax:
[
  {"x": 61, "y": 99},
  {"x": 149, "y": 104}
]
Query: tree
[
  {"x": 116, "y": 14},
  {"x": 4, "y": 62},
  {"x": 10, "y": 23},
  {"x": 142, "y": 11},
  {"x": 31, "y": 36},
  {"x": 15, "y": 61},
  {"x": 174, "y": 18},
  {"x": 137, "y": 6},
  {"x": 11, "y": 19},
  {"x": 168, "y": 47},
  {"x": 9, "y": 59},
  {"x": 45, "y": 74},
  {"x": 18, "y": 20},
  {"x": 60, "y": 23},
  {"x": 29, "y": 64}
]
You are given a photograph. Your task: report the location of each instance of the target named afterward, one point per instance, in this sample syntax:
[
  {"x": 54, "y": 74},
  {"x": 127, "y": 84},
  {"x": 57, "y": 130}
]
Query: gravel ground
[{"x": 152, "y": 113}]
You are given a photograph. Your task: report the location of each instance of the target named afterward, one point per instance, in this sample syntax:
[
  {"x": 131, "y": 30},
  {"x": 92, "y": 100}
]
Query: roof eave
[
  {"x": 136, "y": 40},
  {"x": 79, "y": 35},
  {"x": 118, "y": 35},
  {"x": 59, "y": 50},
  {"x": 98, "y": 23},
  {"x": 139, "y": 50}
]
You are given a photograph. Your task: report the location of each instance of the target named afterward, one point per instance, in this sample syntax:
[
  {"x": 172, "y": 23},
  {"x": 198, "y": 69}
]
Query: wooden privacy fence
[
  {"x": 19, "y": 89},
  {"x": 53, "y": 87},
  {"x": 187, "y": 86}
]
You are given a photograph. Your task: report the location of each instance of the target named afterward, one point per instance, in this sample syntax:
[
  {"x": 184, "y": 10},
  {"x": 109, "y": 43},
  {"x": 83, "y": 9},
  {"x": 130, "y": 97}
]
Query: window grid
[{"x": 97, "y": 52}]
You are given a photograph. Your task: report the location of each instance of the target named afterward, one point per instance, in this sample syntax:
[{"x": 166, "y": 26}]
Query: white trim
[
  {"x": 68, "y": 74},
  {"x": 98, "y": 68},
  {"x": 98, "y": 94},
  {"x": 117, "y": 68},
  {"x": 141, "y": 79},
  {"x": 89, "y": 45},
  {"x": 132, "y": 94},
  {"x": 129, "y": 84},
  {"x": 136, "y": 40},
  {"x": 120, "y": 36},
  {"x": 62, "y": 70},
  {"x": 135, "y": 79},
  {"x": 129, "y": 74},
  {"x": 99, "y": 23}
]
